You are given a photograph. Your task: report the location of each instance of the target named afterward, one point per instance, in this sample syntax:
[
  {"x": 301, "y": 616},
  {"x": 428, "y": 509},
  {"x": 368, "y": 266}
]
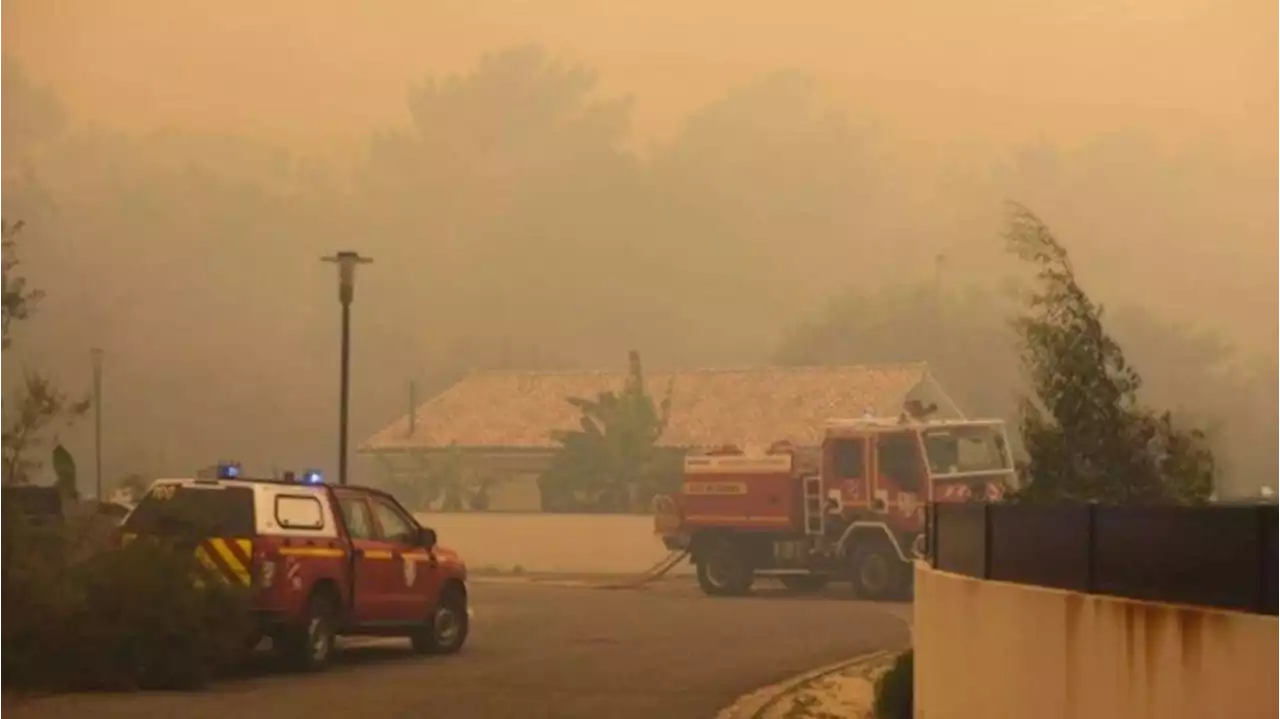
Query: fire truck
[{"x": 852, "y": 508}]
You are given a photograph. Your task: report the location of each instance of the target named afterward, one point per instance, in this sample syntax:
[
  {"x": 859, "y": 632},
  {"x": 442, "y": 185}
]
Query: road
[{"x": 549, "y": 651}]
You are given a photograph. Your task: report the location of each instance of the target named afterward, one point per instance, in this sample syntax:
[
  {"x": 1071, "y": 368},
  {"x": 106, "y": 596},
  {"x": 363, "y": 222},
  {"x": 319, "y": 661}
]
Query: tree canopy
[
  {"x": 1086, "y": 435},
  {"x": 613, "y": 463},
  {"x": 37, "y": 407}
]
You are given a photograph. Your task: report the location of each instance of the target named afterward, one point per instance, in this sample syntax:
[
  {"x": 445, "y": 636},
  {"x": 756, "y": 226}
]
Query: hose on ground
[{"x": 654, "y": 573}]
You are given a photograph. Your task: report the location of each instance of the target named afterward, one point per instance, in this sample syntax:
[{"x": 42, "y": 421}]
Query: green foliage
[
  {"x": 613, "y": 463},
  {"x": 38, "y": 405},
  {"x": 1086, "y": 436},
  {"x": 894, "y": 690},
  {"x": 963, "y": 336},
  {"x": 64, "y": 468},
  {"x": 442, "y": 481},
  {"x": 122, "y": 619},
  {"x": 446, "y": 482}
]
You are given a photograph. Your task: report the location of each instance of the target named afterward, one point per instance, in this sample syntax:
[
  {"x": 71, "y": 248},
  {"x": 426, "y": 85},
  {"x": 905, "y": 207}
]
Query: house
[{"x": 500, "y": 423}]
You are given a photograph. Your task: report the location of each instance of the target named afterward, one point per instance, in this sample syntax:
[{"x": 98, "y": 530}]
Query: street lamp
[
  {"x": 347, "y": 261},
  {"x": 96, "y": 356}
]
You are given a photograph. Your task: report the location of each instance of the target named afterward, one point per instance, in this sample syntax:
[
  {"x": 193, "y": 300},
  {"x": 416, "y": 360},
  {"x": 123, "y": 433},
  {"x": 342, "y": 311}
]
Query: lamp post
[
  {"x": 96, "y": 356},
  {"x": 347, "y": 261}
]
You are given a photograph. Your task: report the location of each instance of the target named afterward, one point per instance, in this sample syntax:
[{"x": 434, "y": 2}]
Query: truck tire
[
  {"x": 447, "y": 630},
  {"x": 805, "y": 583},
  {"x": 723, "y": 570},
  {"x": 310, "y": 647},
  {"x": 877, "y": 571}
]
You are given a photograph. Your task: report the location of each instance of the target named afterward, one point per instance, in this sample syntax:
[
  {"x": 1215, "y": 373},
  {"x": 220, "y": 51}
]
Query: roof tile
[{"x": 749, "y": 407}]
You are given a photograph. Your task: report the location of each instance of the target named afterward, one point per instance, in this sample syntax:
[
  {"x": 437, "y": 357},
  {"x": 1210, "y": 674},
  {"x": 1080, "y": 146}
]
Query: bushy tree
[
  {"x": 613, "y": 463},
  {"x": 962, "y": 335},
  {"x": 1086, "y": 436},
  {"x": 38, "y": 406}
]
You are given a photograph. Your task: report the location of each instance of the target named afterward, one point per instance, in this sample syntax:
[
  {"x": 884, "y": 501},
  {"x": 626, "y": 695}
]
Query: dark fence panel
[
  {"x": 1196, "y": 556},
  {"x": 1217, "y": 556},
  {"x": 1046, "y": 546},
  {"x": 965, "y": 528},
  {"x": 1271, "y": 562}
]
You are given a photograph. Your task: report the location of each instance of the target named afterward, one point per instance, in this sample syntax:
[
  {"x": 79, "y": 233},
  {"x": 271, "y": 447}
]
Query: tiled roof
[{"x": 749, "y": 407}]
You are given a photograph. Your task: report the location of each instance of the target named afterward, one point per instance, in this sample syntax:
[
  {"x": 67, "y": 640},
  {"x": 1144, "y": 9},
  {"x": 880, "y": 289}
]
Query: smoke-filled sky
[
  {"x": 519, "y": 216},
  {"x": 996, "y": 71}
]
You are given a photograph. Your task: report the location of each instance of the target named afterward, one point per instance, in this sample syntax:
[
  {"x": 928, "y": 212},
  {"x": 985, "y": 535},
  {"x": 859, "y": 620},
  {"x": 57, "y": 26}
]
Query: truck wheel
[
  {"x": 447, "y": 631},
  {"x": 723, "y": 571},
  {"x": 805, "y": 583},
  {"x": 310, "y": 647},
  {"x": 877, "y": 571}
]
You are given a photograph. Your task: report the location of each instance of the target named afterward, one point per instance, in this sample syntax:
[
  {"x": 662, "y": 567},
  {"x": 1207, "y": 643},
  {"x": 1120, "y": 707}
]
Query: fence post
[
  {"x": 931, "y": 533},
  {"x": 1091, "y": 547},
  {"x": 986, "y": 540}
]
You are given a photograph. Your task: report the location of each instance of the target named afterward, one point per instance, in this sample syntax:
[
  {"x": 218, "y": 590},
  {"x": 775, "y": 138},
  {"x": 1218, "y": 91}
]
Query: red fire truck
[{"x": 852, "y": 508}]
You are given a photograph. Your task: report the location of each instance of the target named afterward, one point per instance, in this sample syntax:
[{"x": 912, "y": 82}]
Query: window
[
  {"x": 899, "y": 458},
  {"x": 202, "y": 510},
  {"x": 962, "y": 449},
  {"x": 295, "y": 511},
  {"x": 849, "y": 459},
  {"x": 355, "y": 513},
  {"x": 395, "y": 526}
]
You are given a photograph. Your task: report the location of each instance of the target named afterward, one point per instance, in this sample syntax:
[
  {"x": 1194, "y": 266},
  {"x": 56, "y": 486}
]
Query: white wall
[
  {"x": 1007, "y": 651},
  {"x": 566, "y": 543}
]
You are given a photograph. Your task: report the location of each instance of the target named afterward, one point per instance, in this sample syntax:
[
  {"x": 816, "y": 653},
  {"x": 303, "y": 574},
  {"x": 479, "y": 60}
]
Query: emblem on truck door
[{"x": 410, "y": 570}]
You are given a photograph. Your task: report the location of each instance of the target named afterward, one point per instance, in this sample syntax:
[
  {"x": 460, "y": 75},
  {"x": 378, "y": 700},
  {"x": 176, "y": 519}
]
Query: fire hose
[{"x": 652, "y": 574}]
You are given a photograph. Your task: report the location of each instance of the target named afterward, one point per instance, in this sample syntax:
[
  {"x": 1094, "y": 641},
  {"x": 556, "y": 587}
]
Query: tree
[
  {"x": 962, "y": 336},
  {"x": 515, "y": 182},
  {"x": 32, "y": 116},
  {"x": 613, "y": 463},
  {"x": 766, "y": 198},
  {"x": 38, "y": 405},
  {"x": 1085, "y": 434}
]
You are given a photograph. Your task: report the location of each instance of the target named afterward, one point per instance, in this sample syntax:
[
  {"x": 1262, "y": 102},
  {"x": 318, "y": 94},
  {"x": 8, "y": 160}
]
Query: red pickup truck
[{"x": 319, "y": 561}]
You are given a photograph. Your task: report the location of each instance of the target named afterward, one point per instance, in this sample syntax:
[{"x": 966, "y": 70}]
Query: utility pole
[
  {"x": 96, "y": 355},
  {"x": 347, "y": 261}
]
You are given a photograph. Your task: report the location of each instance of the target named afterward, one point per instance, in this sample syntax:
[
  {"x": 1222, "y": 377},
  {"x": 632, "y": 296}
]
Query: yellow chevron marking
[
  {"x": 229, "y": 557},
  {"x": 203, "y": 555}
]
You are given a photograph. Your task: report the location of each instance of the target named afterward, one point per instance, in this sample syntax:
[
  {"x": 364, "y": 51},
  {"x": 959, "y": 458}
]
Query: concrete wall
[
  {"x": 1008, "y": 651},
  {"x": 568, "y": 543}
]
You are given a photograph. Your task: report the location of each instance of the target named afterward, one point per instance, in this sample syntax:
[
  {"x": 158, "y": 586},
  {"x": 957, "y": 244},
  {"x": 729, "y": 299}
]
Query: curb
[
  {"x": 760, "y": 701},
  {"x": 601, "y": 581}
]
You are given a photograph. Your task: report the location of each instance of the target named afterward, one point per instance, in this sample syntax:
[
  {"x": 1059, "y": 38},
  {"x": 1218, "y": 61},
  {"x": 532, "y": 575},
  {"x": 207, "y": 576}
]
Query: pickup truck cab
[{"x": 319, "y": 561}]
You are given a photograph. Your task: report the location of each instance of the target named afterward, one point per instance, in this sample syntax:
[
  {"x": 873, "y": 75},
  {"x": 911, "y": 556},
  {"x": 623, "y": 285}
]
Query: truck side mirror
[{"x": 427, "y": 538}]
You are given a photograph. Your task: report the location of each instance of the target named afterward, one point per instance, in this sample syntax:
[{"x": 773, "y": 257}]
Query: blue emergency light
[
  {"x": 312, "y": 476},
  {"x": 229, "y": 470}
]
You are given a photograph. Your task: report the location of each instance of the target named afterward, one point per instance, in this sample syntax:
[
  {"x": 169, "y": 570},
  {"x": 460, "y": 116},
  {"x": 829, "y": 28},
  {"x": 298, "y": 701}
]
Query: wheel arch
[
  {"x": 862, "y": 532},
  {"x": 454, "y": 587},
  {"x": 704, "y": 538}
]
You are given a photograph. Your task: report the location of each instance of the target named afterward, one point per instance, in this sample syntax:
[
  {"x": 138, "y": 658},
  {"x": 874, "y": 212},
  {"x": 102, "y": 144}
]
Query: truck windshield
[
  {"x": 213, "y": 510},
  {"x": 966, "y": 449}
]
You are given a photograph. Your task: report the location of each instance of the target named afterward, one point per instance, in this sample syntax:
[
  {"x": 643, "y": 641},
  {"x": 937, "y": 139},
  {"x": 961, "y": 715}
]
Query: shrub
[
  {"x": 123, "y": 619},
  {"x": 894, "y": 688}
]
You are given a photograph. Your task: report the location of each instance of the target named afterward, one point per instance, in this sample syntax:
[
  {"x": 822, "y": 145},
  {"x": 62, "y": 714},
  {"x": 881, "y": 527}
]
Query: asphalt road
[{"x": 548, "y": 651}]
